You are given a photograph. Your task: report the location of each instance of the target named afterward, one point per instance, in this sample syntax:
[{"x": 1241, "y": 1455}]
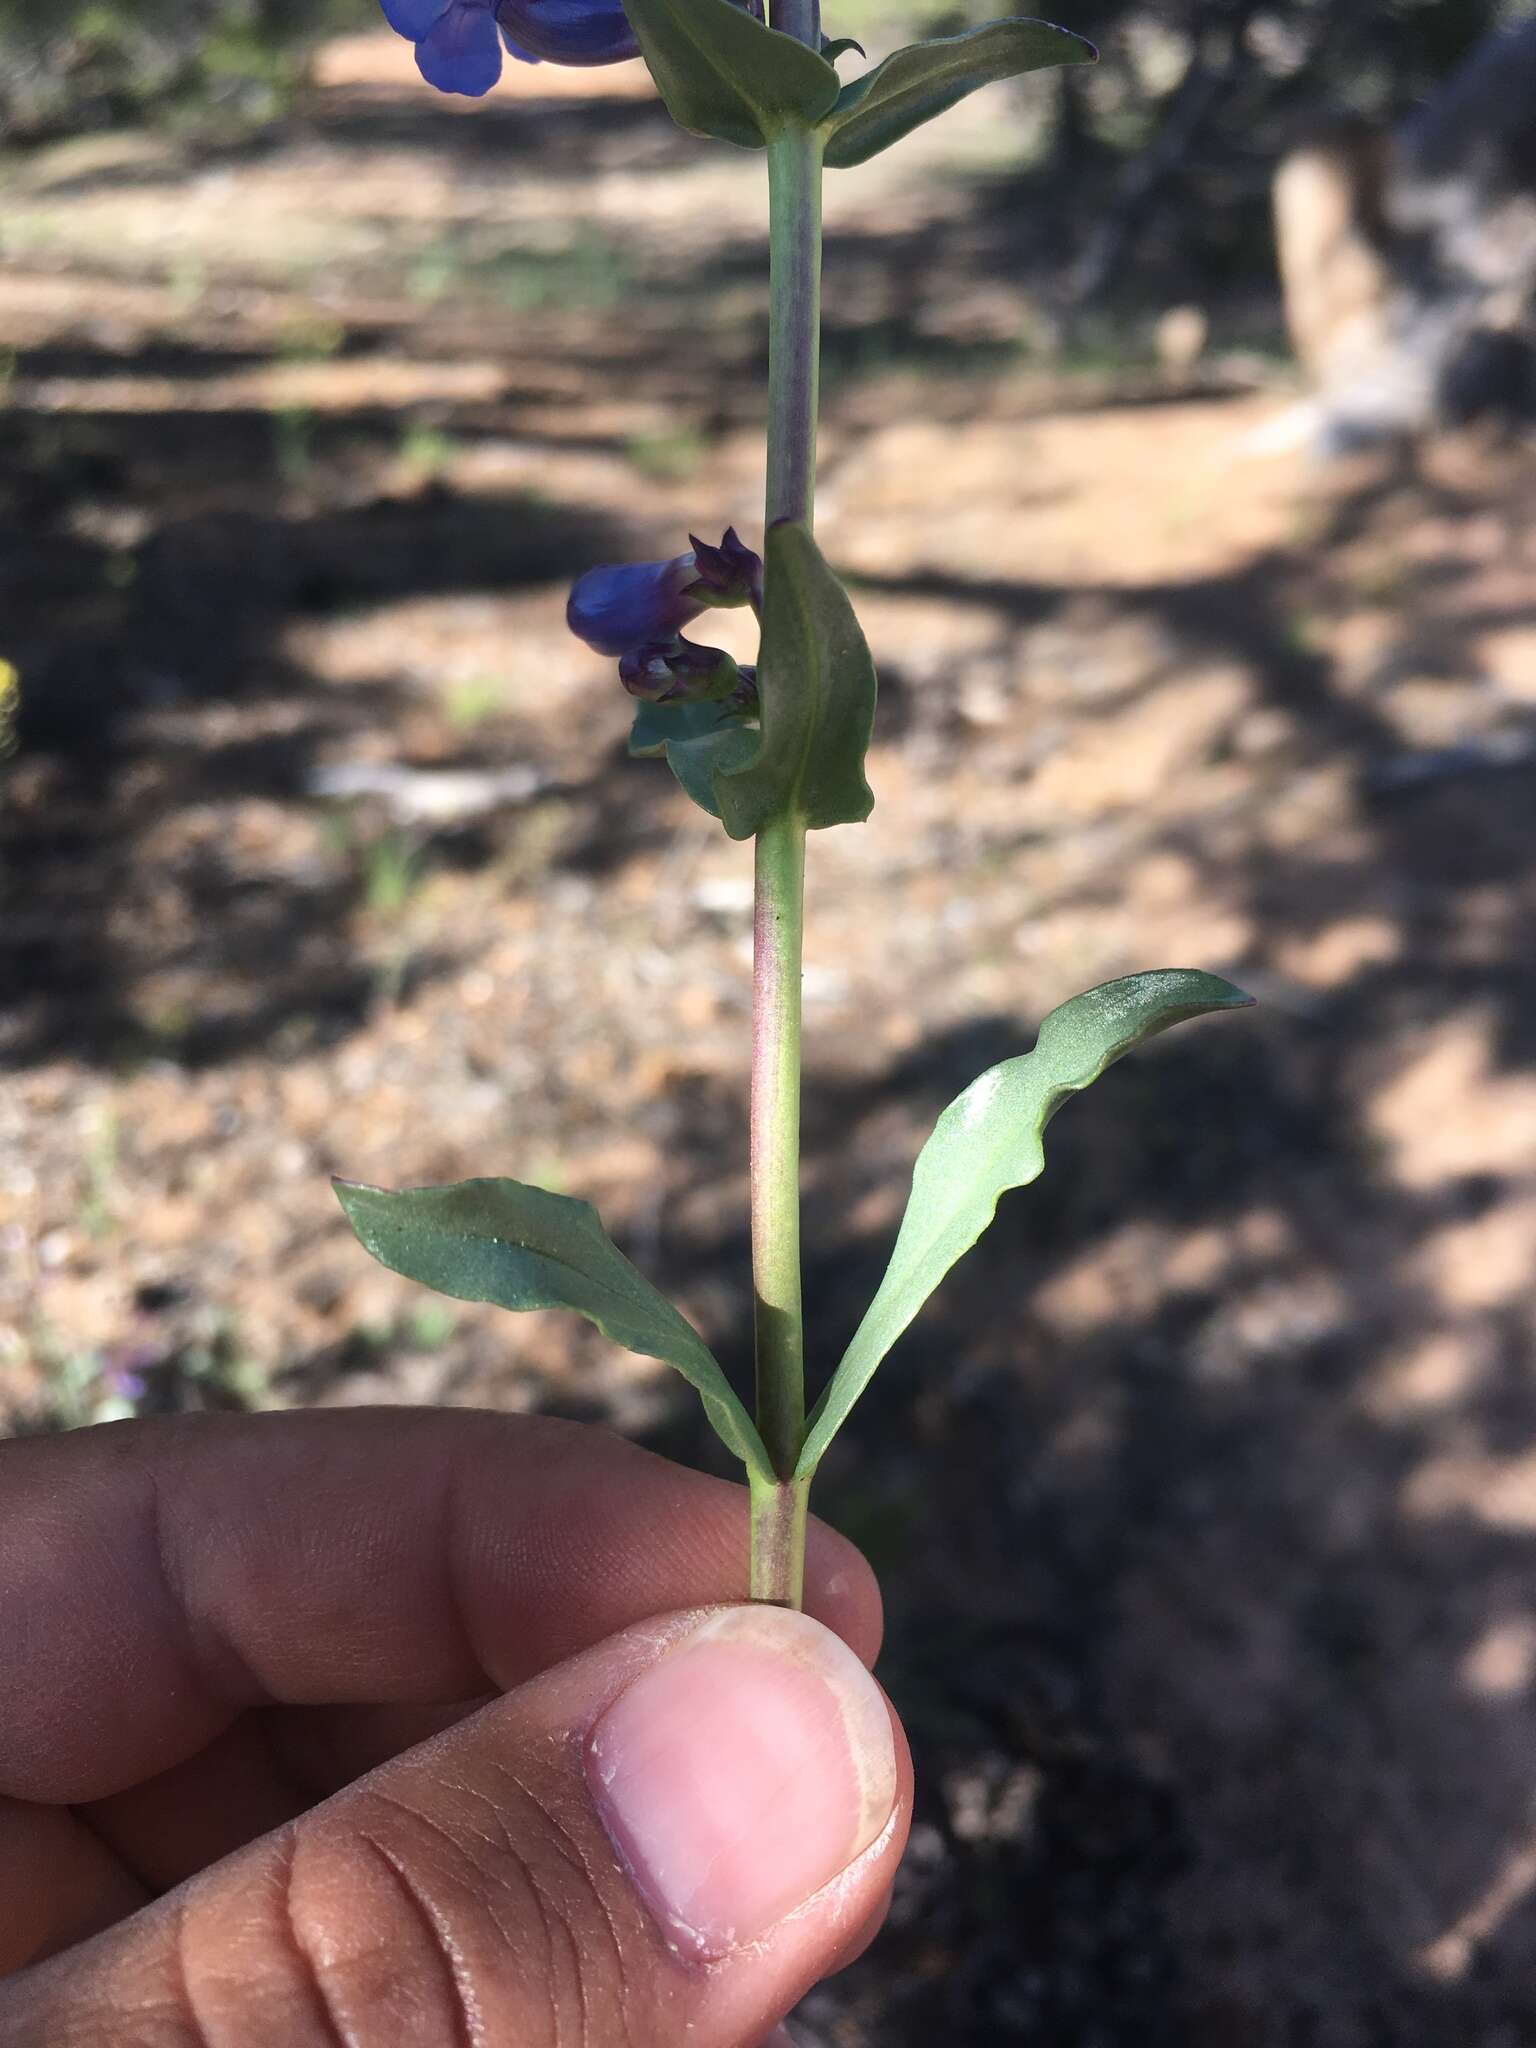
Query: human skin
[{"x": 423, "y": 1729}]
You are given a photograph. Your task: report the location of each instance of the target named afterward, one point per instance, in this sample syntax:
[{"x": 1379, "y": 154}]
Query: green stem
[
  {"x": 794, "y": 332},
  {"x": 779, "y": 1510},
  {"x": 777, "y": 951}
]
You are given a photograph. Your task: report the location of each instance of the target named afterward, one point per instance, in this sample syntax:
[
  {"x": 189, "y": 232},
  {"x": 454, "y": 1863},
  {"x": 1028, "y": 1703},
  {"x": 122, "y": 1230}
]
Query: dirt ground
[{"x": 1205, "y": 1498}]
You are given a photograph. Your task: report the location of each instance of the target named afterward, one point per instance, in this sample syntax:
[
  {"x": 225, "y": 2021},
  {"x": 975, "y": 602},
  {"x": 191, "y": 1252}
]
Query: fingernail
[{"x": 743, "y": 1772}]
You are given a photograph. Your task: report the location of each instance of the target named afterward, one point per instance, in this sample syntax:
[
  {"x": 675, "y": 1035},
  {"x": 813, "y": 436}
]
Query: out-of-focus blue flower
[
  {"x": 459, "y": 42},
  {"x": 568, "y": 31},
  {"x": 633, "y": 604}
]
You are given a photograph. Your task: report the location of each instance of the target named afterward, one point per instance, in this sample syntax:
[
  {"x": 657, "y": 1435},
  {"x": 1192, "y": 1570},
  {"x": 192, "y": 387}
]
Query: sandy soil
[{"x": 1207, "y": 1506}]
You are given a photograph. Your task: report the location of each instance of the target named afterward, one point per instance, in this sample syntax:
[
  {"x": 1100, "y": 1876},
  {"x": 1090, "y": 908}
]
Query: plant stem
[
  {"x": 794, "y": 334},
  {"x": 777, "y": 953},
  {"x": 778, "y": 1540},
  {"x": 779, "y": 1510}
]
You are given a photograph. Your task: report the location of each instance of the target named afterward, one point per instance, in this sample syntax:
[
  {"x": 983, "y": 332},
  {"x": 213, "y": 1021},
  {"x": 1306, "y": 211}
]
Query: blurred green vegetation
[
  {"x": 1154, "y": 164},
  {"x": 64, "y": 61},
  {"x": 75, "y": 63}
]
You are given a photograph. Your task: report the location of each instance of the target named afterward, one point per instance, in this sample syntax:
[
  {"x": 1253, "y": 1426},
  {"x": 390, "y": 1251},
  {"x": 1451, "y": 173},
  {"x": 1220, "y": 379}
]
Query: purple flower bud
[
  {"x": 616, "y": 609},
  {"x": 681, "y": 672},
  {"x": 459, "y": 42}
]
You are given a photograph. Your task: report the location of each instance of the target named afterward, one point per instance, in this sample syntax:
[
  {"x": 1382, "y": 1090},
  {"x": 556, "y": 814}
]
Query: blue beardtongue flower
[
  {"x": 633, "y": 604},
  {"x": 636, "y": 604},
  {"x": 459, "y": 42}
]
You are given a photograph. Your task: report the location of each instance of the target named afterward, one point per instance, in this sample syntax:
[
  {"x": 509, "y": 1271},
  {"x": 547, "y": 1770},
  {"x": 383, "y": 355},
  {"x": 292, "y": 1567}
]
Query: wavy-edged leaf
[
  {"x": 724, "y": 73},
  {"x": 816, "y": 681},
  {"x": 697, "y": 741},
  {"x": 989, "y": 1140},
  {"x": 522, "y": 1247},
  {"x": 925, "y": 79}
]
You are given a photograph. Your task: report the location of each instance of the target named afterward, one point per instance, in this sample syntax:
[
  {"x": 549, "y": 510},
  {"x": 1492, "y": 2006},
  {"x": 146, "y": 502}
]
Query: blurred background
[{"x": 1205, "y": 1497}]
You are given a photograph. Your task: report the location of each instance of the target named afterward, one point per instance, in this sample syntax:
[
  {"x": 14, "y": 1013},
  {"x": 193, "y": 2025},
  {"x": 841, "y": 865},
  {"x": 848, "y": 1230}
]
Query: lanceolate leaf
[
  {"x": 817, "y": 685},
  {"x": 698, "y": 741},
  {"x": 926, "y": 79},
  {"x": 522, "y": 1247},
  {"x": 989, "y": 1140},
  {"x": 723, "y": 73}
]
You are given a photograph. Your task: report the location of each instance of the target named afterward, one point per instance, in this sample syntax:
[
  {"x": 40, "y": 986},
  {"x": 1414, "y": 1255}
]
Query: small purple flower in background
[
  {"x": 636, "y": 603},
  {"x": 459, "y": 42},
  {"x": 125, "y": 1371},
  {"x": 128, "y": 1387}
]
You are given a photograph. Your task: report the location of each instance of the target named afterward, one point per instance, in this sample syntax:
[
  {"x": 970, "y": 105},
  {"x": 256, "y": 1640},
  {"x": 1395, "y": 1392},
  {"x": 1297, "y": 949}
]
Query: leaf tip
[
  {"x": 1194, "y": 989},
  {"x": 350, "y": 1192},
  {"x": 1084, "y": 53}
]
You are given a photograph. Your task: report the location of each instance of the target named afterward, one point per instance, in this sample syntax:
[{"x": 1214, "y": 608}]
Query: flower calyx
[
  {"x": 728, "y": 575},
  {"x": 680, "y": 671}
]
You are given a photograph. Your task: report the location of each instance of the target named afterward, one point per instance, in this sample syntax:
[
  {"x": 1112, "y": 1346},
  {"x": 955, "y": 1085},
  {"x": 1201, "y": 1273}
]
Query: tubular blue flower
[
  {"x": 459, "y": 42},
  {"x": 567, "y": 31},
  {"x": 616, "y": 610},
  {"x": 637, "y": 603}
]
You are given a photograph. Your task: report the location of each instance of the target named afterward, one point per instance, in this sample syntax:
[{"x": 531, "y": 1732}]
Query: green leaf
[
  {"x": 522, "y": 1247},
  {"x": 723, "y": 73},
  {"x": 926, "y": 79},
  {"x": 989, "y": 1140},
  {"x": 697, "y": 741},
  {"x": 817, "y": 685}
]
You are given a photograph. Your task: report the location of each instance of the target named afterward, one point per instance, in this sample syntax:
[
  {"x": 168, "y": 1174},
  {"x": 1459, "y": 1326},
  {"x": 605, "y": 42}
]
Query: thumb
[{"x": 670, "y": 1837}]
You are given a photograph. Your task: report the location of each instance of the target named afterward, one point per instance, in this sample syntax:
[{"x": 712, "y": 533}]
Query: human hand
[{"x": 360, "y": 1728}]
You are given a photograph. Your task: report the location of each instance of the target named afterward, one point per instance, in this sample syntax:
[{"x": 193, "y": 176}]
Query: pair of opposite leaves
[
  {"x": 521, "y": 1247},
  {"x": 723, "y": 73}
]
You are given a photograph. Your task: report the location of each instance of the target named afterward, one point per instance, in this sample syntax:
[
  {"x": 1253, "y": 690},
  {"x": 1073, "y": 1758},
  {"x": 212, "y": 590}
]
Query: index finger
[{"x": 158, "y": 1578}]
